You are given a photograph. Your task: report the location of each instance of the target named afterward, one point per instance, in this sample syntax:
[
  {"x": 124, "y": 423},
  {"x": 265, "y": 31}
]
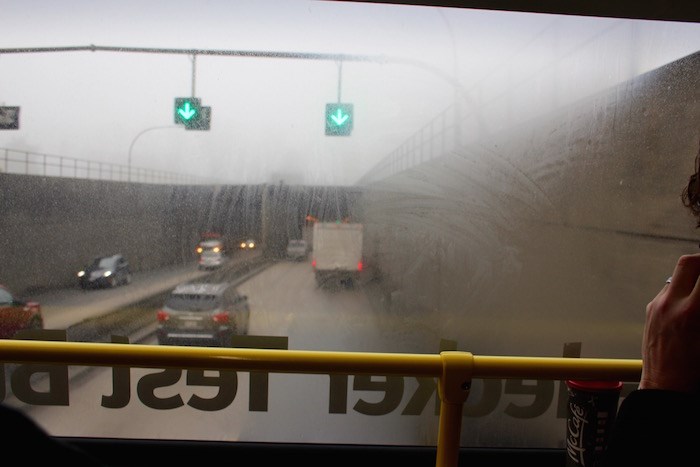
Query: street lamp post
[{"x": 131, "y": 147}]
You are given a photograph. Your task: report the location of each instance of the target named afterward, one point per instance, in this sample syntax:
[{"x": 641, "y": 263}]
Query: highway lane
[
  {"x": 64, "y": 308},
  {"x": 285, "y": 302}
]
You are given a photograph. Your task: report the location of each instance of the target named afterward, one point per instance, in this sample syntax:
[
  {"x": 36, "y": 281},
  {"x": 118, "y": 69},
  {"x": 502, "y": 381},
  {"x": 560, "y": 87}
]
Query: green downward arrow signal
[
  {"x": 187, "y": 112},
  {"x": 339, "y": 118}
]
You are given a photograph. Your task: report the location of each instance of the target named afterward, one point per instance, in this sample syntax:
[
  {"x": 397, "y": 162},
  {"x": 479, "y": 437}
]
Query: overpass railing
[
  {"x": 433, "y": 140},
  {"x": 46, "y": 165},
  {"x": 453, "y": 369}
]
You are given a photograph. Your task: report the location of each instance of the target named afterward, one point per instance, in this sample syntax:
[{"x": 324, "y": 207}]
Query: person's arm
[
  {"x": 658, "y": 423},
  {"x": 655, "y": 427},
  {"x": 671, "y": 342}
]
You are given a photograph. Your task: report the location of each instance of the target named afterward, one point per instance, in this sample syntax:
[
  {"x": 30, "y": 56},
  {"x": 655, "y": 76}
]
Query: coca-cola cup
[{"x": 591, "y": 412}]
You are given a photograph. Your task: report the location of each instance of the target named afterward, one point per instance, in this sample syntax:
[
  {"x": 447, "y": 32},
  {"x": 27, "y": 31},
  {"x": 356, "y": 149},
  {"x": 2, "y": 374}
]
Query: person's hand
[{"x": 671, "y": 343}]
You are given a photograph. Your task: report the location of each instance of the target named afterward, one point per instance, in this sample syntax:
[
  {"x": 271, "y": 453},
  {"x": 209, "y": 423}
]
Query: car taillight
[
  {"x": 221, "y": 318},
  {"x": 359, "y": 266},
  {"x": 313, "y": 263},
  {"x": 162, "y": 316}
]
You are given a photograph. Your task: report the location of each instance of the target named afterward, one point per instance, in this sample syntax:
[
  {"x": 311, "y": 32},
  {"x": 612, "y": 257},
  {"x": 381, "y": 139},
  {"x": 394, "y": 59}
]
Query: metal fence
[
  {"x": 46, "y": 165},
  {"x": 437, "y": 138}
]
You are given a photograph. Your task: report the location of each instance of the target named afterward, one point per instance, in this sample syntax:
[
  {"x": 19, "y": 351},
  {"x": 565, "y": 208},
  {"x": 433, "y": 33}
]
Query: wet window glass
[{"x": 378, "y": 178}]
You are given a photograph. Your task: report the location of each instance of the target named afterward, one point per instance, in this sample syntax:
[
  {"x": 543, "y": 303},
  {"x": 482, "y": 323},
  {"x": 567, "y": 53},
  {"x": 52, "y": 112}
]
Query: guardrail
[
  {"x": 46, "y": 165},
  {"x": 454, "y": 369}
]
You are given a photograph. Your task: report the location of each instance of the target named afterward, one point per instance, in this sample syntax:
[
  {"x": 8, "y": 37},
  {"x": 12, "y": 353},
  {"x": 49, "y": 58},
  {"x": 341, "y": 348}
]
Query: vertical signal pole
[
  {"x": 339, "y": 118},
  {"x": 194, "y": 71},
  {"x": 340, "y": 78}
]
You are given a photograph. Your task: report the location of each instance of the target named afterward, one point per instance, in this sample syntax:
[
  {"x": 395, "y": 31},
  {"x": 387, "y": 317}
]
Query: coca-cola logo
[{"x": 575, "y": 427}]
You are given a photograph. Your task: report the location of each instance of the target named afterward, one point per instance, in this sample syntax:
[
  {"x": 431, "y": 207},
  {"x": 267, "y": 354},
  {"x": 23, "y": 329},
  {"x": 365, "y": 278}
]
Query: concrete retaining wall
[{"x": 51, "y": 227}]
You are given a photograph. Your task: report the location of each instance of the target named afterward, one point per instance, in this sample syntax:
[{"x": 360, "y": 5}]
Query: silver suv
[{"x": 200, "y": 313}]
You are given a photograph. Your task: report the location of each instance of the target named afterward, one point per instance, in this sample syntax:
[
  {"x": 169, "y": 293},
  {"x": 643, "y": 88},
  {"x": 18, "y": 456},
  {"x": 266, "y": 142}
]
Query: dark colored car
[
  {"x": 105, "y": 271},
  {"x": 202, "y": 313},
  {"x": 17, "y": 314}
]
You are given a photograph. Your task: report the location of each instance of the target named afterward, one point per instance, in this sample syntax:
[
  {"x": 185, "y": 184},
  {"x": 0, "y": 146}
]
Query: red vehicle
[{"x": 17, "y": 314}]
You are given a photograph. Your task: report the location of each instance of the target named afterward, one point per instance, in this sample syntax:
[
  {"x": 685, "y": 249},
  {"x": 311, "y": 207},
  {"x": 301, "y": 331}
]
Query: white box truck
[{"x": 336, "y": 253}]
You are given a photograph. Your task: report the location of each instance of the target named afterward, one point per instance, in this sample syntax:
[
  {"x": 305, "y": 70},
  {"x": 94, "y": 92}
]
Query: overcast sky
[{"x": 268, "y": 113}]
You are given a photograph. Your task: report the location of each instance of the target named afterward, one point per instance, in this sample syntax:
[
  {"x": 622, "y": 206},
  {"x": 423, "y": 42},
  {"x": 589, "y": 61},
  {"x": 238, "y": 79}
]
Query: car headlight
[
  {"x": 81, "y": 273},
  {"x": 107, "y": 273}
]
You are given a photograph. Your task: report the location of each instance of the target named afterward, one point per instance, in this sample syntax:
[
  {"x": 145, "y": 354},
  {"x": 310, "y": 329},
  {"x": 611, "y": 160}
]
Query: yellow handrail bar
[{"x": 454, "y": 369}]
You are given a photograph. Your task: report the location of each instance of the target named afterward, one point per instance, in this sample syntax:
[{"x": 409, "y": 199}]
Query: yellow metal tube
[
  {"x": 310, "y": 361},
  {"x": 453, "y": 386},
  {"x": 454, "y": 370},
  {"x": 449, "y": 434},
  {"x": 161, "y": 356},
  {"x": 559, "y": 368}
]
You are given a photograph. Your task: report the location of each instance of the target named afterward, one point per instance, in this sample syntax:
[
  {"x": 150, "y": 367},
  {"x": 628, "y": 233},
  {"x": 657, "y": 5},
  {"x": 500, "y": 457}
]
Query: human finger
[
  {"x": 685, "y": 275},
  {"x": 685, "y": 285}
]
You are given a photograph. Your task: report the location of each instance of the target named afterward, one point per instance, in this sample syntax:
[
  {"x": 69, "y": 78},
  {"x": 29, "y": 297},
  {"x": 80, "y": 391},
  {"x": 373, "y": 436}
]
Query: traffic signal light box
[
  {"x": 190, "y": 113},
  {"x": 339, "y": 119}
]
